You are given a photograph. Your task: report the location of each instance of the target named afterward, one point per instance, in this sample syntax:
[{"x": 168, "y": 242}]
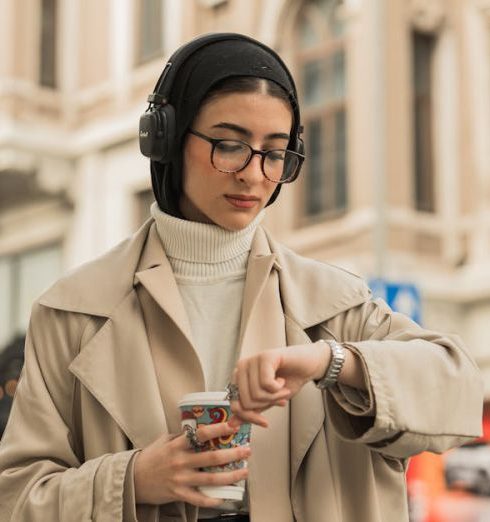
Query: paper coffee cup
[{"x": 201, "y": 409}]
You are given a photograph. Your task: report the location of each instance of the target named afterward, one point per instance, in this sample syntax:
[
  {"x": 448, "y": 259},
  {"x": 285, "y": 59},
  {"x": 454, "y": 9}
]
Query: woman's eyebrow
[{"x": 246, "y": 133}]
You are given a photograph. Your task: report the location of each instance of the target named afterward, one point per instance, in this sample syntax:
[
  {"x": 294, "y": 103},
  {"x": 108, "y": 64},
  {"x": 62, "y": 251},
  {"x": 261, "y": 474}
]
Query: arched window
[{"x": 321, "y": 73}]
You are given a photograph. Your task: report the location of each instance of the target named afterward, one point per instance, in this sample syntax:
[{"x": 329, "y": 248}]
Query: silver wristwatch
[{"x": 335, "y": 366}]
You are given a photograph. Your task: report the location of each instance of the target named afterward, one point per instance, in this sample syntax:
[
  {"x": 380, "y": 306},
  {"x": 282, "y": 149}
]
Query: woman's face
[{"x": 232, "y": 200}]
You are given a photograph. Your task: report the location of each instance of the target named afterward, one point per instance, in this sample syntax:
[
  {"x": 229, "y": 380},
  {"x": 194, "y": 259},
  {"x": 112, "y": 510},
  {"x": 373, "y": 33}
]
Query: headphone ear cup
[{"x": 157, "y": 133}]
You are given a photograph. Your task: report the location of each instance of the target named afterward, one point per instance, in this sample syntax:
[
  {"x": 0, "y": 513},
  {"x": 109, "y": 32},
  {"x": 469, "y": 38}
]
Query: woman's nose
[{"x": 253, "y": 171}]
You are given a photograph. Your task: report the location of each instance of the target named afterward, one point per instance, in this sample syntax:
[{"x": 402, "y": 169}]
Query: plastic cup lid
[
  {"x": 204, "y": 398},
  {"x": 225, "y": 492}
]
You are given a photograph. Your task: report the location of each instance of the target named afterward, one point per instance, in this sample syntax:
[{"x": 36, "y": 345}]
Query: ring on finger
[
  {"x": 233, "y": 393},
  {"x": 191, "y": 435}
]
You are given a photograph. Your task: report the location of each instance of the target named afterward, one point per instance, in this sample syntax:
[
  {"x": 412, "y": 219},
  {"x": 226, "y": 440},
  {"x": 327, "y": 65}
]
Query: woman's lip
[{"x": 238, "y": 202}]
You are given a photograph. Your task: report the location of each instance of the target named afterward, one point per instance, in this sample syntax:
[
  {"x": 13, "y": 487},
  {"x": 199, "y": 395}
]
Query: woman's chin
[{"x": 235, "y": 223}]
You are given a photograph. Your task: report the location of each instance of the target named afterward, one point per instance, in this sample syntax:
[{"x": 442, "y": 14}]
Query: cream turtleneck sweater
[{"x": 209, "y": 264}]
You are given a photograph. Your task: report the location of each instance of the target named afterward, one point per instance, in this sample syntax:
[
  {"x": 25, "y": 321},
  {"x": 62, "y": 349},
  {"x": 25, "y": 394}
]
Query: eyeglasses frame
[{"x": 262, "y": 153}]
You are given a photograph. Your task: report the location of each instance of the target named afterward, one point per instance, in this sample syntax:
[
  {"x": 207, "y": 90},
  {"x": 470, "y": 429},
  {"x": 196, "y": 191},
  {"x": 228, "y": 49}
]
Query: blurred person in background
[
  {"x": 11, "y": 361},
  {"x": 341, "y": 390}
]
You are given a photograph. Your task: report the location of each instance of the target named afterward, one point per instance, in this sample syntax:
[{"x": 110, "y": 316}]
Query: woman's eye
[
  {"x": 229, "y": 147},
  {"x": 276, "y": 155}
]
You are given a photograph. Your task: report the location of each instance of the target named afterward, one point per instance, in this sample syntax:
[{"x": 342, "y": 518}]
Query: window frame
[
  {"x": 423, "y": 152},
  {"x": 48, "y": 75},
  {"x": 324, "y": 112},
  {"x": 14, "y": 261},
  {"x": 141, "y": 57}
]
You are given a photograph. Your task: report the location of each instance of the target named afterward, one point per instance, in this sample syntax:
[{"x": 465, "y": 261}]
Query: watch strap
[{"x": 334, "y": 367}]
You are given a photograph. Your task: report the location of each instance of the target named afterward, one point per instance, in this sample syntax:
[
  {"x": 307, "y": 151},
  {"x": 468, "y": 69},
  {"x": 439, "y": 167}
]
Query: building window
[
  {"x": 322, "y": 87},
  {"x": 23, "y": 277},
  {"x": 47, "y": 62},
  {"x": 150, "y": 30},
  {"x": 423, "y": 50}
]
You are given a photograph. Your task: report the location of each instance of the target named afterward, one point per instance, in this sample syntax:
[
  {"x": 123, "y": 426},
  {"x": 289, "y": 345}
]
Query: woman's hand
[
  {"x": 272, "y": 377},
  {"x": 168, "y": 471}
]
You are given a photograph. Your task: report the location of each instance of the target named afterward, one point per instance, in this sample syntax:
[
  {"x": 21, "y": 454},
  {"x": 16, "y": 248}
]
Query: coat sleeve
[
  {"x": 43, "y": 475},
  {"x": 424, "y": 391}
]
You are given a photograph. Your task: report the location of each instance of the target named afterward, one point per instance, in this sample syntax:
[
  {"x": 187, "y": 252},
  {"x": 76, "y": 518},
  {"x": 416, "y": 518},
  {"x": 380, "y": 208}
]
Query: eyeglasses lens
[
  {"x": 280, "y": 165},
  {"x": 231, "y": 156}
]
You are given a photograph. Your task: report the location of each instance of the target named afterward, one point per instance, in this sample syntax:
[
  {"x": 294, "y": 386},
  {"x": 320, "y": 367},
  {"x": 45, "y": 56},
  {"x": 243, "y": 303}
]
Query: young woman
[{"x": 341, "y": 391}]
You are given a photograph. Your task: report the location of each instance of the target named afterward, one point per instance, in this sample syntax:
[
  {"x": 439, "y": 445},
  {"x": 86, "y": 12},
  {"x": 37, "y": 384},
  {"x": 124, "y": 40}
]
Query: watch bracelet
[{"x": 335, "y": 365}]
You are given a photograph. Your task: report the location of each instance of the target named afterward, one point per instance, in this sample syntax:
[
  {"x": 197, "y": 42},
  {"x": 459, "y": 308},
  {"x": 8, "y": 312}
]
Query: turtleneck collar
[{"x": 202, "y": 250}]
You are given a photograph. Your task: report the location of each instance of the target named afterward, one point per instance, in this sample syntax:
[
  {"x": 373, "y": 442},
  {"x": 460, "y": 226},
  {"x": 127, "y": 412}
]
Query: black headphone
[{"x": 157, "y": 130}]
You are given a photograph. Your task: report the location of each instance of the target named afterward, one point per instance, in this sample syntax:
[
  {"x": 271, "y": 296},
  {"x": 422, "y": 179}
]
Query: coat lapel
[
  {"x": 269, "y": 498},
  {"x": 116, "y": 367},
  {"x": 175, "y": 359},
  {"x": 156, "y": 275},
  {"x": 176, "y": 363}
]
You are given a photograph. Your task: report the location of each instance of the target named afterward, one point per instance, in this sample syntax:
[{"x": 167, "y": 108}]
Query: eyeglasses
[{"x": 231, "y": 156}]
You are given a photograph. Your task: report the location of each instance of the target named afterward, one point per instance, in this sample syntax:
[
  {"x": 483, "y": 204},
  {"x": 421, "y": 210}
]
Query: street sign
[{"x": 400, "y": 296}]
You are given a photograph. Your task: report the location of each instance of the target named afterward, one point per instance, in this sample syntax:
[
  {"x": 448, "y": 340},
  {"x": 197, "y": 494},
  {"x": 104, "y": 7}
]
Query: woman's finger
[
  {"x": 235, "y": 421},
  {"x": 204, "y": 459},
  {"x": 193, "y": 496},
  {"x": 218, "y": 478},
  {"x": 243, "y": 386},
  {"x": 253, "y": 379},
  {"x": 264, "y": 398},
  {"x": 246, "y": 376},
  {"x": 206, "y": 432},
  {"x": 252, "y": 416},
  {"x": 281, "y": 403},
  {"x": 267, "y": 375}
]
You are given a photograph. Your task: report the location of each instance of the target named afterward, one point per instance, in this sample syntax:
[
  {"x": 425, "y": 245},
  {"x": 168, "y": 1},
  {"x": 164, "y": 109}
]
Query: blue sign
[{"x": 400, "y": 297}]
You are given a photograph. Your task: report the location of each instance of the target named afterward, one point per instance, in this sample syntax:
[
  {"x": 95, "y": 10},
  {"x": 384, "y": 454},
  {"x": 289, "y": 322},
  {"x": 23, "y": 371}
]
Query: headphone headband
[
  {"x": 181, "y": 55},
  {"x": 165, "y": 82}
]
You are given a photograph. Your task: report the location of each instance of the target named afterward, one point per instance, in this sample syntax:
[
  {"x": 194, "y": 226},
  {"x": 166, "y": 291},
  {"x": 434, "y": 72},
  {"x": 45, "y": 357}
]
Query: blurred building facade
[{"x": 396, "y": 108}]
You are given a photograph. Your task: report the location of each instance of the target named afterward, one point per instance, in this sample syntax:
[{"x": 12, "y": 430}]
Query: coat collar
[
  {"x": 98, "y": 287},
  {"x": 155, "y": 273},
  {"x": 314, "y": 291}
]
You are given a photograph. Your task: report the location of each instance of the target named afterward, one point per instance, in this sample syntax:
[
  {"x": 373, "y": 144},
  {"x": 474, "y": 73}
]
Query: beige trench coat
[{"x": 89, "y": 395}]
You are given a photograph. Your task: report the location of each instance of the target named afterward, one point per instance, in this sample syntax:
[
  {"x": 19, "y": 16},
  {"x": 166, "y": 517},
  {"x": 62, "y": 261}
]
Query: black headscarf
[{"x": 207, "y": 66}]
